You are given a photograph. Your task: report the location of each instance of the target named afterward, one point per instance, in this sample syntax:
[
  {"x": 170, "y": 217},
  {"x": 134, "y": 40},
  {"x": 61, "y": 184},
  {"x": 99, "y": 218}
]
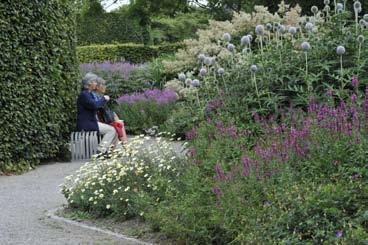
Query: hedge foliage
[
  {"x": 108, "y": 28},
  {"x": 133, "y": 53},
  {"x": 37, "y": 80}
]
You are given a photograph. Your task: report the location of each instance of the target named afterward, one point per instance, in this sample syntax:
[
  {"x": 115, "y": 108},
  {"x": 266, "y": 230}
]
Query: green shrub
[
  {"x": 38, "y": 77},
  {"x": 302, "y": 182},
  {"x": 133, "y": 53},
  {"x": 139, "y": 178}
]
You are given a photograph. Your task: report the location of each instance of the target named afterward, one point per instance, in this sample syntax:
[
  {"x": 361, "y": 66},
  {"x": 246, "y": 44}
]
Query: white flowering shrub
[{"x": 132, "y": 180}]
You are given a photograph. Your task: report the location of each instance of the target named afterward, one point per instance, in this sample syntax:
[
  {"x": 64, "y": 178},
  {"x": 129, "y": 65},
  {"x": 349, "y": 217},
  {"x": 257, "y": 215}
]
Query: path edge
[{"x": 51, "y": 214}]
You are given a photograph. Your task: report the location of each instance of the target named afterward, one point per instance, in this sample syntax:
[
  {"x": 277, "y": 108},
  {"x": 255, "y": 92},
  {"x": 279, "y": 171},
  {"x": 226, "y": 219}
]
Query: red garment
[{"x": 119, "y": 127}]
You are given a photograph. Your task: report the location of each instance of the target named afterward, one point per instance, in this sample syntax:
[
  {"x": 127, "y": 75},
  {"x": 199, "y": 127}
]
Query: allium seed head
[
  {"x": 314, "y": 9},
  {"x": 227, "y": 37},
  {"x": 292, "y": 30},
  {"x": 188, "y": 81},
  {"x": 327, "y": 8},
  {"x": 182, "y": 77},
  {"x": 203, "y": 72},
  {"x": 269, "y": 27},
  {"x": 250, "y": 37},
  {"x": 196, "y": 83},
  {"x": 340, "y": 50},
  {"x": 260, "y": 30},
  {"x": 201, "y": 57},
  {"x": 231, "y": 47},
  {"x": 221, "y": 71},
  {"x": 362, "y": 23},
  {"x": 358, "y": 6},
  {"x": 253, "y": 68},
  {"x": 305, "y": 46},
  {"x": 245, "y": 40},
  {"x": 281, "y": 29},
  {"x": 207, "y": 61},
  {"x": 309, "y": 26},
  {"x": 339, "y": 7},
  {"x": 360, "y": 39},
  {"x": 365, "y": 17},
  {"x": 326, "y": 2}
]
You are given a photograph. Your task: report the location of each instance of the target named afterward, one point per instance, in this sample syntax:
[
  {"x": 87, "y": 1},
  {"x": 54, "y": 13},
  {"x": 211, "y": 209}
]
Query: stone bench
[{"x": 83, "y": 145}]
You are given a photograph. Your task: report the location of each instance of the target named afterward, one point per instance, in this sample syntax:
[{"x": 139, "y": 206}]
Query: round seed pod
[{"x": 340, "y": 50}]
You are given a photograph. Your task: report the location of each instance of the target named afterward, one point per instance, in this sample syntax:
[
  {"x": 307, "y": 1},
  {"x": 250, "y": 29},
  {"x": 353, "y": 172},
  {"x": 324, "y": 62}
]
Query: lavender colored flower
[
  {"x": 340, "y": 50},
  {"x": 354, "y": 98},
  {"x": 231, "y": 47},
  {"x": 220, "y": 173},
  {"x": 214, "y": 105},
  {"x": 161, "y": 97},
  {"x": 246, "y": 165},
  {"x": 339, "y": 234},
  {"x": 292, "y": 30},
  {"x": 221, "y": 71},
  {"x": 260, "y": 30},
  {"x": 355, "y": 82},
  {"x": 245, "y": 40},
  {"x": 121, "y": 69},
  {"x": 182, "y": 77},
  {"x": 227, "y": 37},
  {"x": 254, "y": 68},
  {"x": 305, "y": 46},
  {"x": 217, "y": 191}
]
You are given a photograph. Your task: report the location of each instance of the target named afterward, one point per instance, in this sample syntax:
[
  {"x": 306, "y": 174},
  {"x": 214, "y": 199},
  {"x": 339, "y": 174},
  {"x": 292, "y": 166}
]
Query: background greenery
[
  {"x": 37, "y": 84},
  {"x": 134, "y": 53}
]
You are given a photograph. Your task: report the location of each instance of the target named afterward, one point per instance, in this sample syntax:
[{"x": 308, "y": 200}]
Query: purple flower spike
[
  {"x": 355, "y": 82},
  {"x": 339, "y": 234},
  {"x": 330, "y": 92}
]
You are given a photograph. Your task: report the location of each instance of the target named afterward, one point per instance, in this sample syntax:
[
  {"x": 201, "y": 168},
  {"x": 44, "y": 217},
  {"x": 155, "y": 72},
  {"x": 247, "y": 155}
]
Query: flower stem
[{"x": 256, "y": 87}]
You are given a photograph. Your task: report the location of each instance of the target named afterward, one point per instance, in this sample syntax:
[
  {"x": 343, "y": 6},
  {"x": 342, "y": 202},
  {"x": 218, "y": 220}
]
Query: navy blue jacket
[{"x": 87, "y": 111}]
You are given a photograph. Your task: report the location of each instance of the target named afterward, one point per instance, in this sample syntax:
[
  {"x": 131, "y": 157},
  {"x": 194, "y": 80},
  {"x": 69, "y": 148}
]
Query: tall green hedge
[
  {"x": 37, "y": 80},
  {"x": 134, "y": 53}
]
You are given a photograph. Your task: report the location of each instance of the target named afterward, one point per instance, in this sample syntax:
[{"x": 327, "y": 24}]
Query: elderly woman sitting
[
  {"x": 114, "y": 119},
  {"x": 87, "y": 107}
]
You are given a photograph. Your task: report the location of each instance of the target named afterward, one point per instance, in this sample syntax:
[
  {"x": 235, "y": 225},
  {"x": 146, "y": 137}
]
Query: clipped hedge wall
[
  {"x": 38, "y": 78},
  {"x": 134, "y": 53}
]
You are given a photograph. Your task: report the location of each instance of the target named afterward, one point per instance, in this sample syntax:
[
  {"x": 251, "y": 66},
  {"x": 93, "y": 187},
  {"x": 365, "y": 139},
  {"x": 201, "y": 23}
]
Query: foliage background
[{"x": 38, "y": 80}]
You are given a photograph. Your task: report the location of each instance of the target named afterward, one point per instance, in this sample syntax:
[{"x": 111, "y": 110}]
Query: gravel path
[{"x": 24, "y": 200}]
